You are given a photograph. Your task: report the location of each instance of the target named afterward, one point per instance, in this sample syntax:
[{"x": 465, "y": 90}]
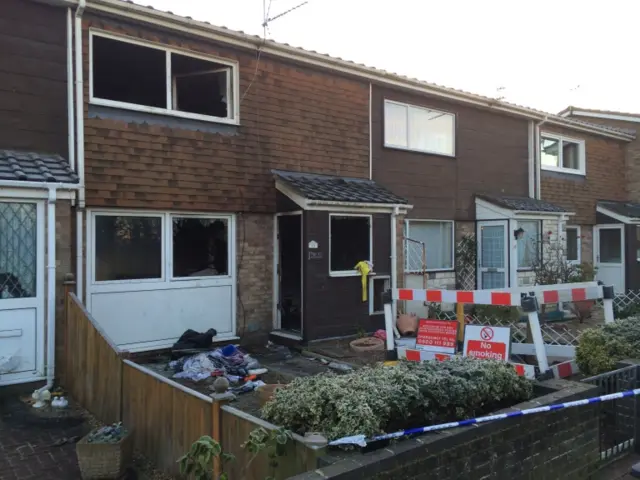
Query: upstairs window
[
  {"x": 145, "y": 77},
  {"x": 561, "y": 154},
  {"x": 417, "y": 128}
]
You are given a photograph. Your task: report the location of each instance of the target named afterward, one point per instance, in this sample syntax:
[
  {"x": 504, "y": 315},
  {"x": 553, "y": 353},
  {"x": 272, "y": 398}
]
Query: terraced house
[{"x": 194, "y": 177}]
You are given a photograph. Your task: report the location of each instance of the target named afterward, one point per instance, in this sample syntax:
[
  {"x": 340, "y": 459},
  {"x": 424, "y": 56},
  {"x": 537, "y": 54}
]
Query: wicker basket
[{"x": 104, "y": 460}]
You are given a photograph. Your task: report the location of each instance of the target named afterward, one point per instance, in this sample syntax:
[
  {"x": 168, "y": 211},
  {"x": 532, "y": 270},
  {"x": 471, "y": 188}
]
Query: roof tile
[
  {"x": 35, "y": 167},
  {"x": 524, "y": 204}
]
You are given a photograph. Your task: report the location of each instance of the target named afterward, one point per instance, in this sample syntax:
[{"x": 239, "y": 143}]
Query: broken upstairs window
[{"x": 134, "y": 75}]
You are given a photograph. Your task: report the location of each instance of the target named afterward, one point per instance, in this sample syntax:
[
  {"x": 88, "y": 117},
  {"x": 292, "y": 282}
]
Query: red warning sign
[{"x": 437, "y": 335}]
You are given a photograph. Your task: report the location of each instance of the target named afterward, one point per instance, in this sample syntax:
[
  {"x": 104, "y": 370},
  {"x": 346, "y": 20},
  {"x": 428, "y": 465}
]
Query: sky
[{"x": 543, "y": 54}]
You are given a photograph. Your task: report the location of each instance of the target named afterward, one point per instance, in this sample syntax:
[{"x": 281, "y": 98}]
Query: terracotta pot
[
  {"x": 407, "y": 324},
  {"x": 367, "y": 344}
]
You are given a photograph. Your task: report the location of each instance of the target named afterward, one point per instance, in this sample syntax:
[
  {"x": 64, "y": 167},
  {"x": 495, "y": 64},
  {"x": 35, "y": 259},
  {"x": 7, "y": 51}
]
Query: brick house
[
  {"x": 470, "y": 169},
  {"x": 612, "y": 198}
]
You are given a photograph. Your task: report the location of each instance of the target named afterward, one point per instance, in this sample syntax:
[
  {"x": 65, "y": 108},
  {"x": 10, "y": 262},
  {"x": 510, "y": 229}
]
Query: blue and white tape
[{"x": 361, "y": 441}]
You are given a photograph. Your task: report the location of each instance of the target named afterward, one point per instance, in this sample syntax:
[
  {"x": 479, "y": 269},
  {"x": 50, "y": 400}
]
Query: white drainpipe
[
  {"x": 71, "y": 137},
  {"x": 394, "y": 258},
  {"x": 80, "y": 149},
  {"x": 538, "y": 158}
]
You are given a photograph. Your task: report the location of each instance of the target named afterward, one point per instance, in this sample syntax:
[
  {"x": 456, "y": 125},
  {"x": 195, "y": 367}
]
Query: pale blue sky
[{"x": 538, "y": 51}]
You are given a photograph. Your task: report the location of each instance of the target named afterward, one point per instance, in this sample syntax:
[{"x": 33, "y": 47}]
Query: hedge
[
  {"x": 600, "y": 349},
  {"x": 376, "y": 399}
]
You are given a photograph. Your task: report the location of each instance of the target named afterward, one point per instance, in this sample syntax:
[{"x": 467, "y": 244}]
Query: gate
[{"x": 618, "y": 418}]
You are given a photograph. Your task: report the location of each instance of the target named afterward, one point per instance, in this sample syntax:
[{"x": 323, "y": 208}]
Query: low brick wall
[{"x": 555, "y": 445}]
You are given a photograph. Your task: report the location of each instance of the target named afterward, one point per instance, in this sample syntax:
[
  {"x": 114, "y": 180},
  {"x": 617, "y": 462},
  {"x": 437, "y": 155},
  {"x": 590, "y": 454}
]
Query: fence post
[
  {"x": 391, "y": 353},
  {"x": 69, "y": 284},
  {"x": 607, "y": 300},
  {"x": 530, "y": 307},
  {"x": 219, "y": 399}
]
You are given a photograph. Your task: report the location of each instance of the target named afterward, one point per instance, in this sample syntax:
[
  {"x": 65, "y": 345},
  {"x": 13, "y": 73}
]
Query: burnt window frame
[
  {"x": 351, "y": 272},
  {"x": 233, "y": 81}
]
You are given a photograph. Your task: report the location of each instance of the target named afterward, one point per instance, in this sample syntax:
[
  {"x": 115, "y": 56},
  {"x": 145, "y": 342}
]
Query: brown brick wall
[
  {"x": 255, "y": 276},
  {"x": 292, "y": 117},
  {"x": 604, "y": 180}
]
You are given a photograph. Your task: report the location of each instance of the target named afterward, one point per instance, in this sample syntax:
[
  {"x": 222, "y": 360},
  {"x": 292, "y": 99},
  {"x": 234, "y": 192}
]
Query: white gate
[{"x": 21, "y": 291}]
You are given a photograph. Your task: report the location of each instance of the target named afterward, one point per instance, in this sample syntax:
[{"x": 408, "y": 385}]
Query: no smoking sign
[
  {"x": 485, "y": 342},
  {"x": 486, "y": 333}
]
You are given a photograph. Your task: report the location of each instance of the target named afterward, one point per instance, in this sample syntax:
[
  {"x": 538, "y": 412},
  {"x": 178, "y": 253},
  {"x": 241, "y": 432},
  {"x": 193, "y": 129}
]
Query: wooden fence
[
  {"x": 165, "y": 417},
  {"x": 91, "y": 369}
]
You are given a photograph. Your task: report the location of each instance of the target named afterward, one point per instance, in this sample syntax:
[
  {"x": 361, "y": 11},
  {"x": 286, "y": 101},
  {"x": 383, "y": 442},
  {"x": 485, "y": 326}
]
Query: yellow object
[
  {"x": 390, "y": 363},
  {"x": 364, "y": 268}
]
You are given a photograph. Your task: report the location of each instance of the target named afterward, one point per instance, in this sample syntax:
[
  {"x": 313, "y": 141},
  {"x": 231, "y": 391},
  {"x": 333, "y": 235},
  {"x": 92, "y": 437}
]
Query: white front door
[
  {"x": 21, "y": 291},
  {"x": 609, "y": 255},
  {"x": 492, "y": 255}
]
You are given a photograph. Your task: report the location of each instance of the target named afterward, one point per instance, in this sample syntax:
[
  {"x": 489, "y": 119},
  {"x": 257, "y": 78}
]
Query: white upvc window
[
  {"x": 142, "y": 247},
  {"x": 143, "y": 76},
  {"x": 529, "y": 244},
  {"x": 350, "y": 242},
  {"x": 377, "y": 286},
  {"x": 573, "y": 245},
  {"x": 420, "y": 129},
  {"x": 437, "y": 236},
  {"x": 562, "y": 154}
]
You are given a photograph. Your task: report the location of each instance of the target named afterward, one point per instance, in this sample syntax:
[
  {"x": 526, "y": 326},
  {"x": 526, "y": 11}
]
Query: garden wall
[{"x": 555, "y": 445}]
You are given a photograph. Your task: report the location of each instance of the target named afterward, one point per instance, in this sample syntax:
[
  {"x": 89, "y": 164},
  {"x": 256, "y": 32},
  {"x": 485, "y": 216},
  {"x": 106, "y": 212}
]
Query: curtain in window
[{"x": 529, "y": 244}]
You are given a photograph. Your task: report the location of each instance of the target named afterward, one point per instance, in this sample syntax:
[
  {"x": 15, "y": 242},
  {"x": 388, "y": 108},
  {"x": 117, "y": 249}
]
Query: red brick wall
[
  {"x": 291, "y": 118},
  {"x": 604, "y": 180}
]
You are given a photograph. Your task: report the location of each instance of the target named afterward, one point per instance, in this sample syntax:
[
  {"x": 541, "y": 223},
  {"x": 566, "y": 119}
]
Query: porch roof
[
  {"x": 329, "y": 188},
  {"x": 626, "y": 212},
  {"x": 523, "y": 204},
  {"x": 35, "y": 167}
]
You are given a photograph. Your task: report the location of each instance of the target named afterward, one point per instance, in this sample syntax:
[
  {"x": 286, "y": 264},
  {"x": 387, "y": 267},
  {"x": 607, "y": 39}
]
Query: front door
[
  {"x": 609, "y": 255},
  {"x": 21, "y": 291},
  {"x": 492, "y": 255},
  {"x": 289, "y": 271}
]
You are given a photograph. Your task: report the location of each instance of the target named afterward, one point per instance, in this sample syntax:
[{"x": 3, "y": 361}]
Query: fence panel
[
  {"x": 92, "y": 368},
  {"x": 165, "y": 418},
  {"x": 618, "y": 418}
]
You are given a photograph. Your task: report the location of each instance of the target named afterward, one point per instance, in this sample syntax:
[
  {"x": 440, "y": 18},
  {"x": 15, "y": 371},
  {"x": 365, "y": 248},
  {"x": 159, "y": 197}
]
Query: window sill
[
  {"x": 525, "y": 269},
  {"x": 420, "y": 272},
  {"x": 415, "y": 150},
  {"x": 375, "y": 313},
  {"x": 163, "y": 111},
  {"x": 569, "y": 171},
  {"x": 348, "y": 273}
]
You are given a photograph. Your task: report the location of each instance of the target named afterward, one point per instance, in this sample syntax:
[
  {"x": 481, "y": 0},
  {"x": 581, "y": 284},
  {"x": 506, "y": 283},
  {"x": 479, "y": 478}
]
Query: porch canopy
[{"x": 622, "y": 212}]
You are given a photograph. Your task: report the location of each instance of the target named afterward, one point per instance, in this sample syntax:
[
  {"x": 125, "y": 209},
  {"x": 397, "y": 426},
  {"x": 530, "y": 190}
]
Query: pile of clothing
[{"x": 227, "y": 361}]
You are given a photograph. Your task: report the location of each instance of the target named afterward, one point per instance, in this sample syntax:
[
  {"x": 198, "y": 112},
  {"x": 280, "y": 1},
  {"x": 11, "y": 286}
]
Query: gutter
[
  {"x": 401, "y": 206},
  {"x": 170, "y": 21}
]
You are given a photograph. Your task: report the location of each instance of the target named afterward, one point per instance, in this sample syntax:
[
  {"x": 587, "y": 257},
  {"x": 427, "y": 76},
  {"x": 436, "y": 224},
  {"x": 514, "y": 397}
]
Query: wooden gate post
[
  {"x": 69, "y": 286},
  {"x": 219, "y": 399}
]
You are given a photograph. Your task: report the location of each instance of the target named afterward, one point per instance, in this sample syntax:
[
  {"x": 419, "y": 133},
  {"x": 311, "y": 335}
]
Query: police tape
[{"x": 361, "y": 440}]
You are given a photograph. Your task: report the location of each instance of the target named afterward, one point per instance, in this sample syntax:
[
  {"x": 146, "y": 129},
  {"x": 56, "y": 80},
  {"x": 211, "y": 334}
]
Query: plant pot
[
  {"x": 407, "y": 324},
  {"x": 265, "y": 393},
  {"x": 367, "y": 344},
  {"x": 104, "y": 460}
]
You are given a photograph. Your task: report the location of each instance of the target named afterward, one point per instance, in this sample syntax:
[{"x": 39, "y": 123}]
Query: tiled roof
[
  {"x": 626, "y": 209},
  {"x": 338, "y": 189},
  {"x": 524, "y": 204},
  {"x": 367, "y": 70},
  {"x": 35, "y": 167}
]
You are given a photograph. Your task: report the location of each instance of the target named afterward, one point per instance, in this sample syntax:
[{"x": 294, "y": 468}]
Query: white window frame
[
  {"x": 582, "y": 158},
  {"x": 167, "y": 280},
  {"x": 453, "y": 244},
  {"x": 578, "y": 239},
  {"x": 351, "y": 273},
  {"x": 407, "y": 147},
  {"x": 540, "y": 224},
  {"x": 233, "y": 82},
  {"x": 387, "y": 280}
]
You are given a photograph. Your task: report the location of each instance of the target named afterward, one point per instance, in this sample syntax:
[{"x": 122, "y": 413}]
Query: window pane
[
  {"x": 610, "y": 245},
  {"x": 128, "y": 248},
  {"x": 18, "y": 253},
  {"x": 437, "y": 239},
  {"x": 529, "y": 244},
  {"x": 570, "y": 155},
  {"x": 549, "y": 152},
  {"x": 395, "y": 125},
  {"x": 380, "y": 285},
  {"x": 431, "y": 131},
  {"x": 572, "y": 244},
  {"x": 200, "y": 247},
  {"x": 492, "y": 253},
  {"x": 129, "y": 73},
  {"x": 350, "y": 242},
  {"x": 199, "y": 86}
]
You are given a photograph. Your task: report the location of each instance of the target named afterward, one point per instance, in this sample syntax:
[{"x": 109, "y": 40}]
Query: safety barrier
[
  {"x": 361, "y": 440},
  {"x": 528, "y": 298}
]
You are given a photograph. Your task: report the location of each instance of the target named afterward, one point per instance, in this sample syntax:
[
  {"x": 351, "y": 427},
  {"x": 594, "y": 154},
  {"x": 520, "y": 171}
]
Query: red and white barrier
[
  {"x": 479, "y": 297},
  {"x": 565, "y": 369}
]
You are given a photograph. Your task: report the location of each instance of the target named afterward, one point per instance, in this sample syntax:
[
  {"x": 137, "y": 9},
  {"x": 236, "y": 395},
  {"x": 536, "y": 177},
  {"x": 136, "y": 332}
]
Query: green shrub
[
  {"x": 601, "y": 348},
  {"x": 383, "y": 398}
]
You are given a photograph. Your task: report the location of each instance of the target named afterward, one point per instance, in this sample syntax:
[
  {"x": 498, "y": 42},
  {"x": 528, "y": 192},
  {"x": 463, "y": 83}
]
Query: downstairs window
[{"x": 350, "y": 242}]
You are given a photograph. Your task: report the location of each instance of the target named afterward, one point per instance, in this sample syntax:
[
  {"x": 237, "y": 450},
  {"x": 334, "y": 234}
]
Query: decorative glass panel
[
  {"x": 493, "y": 252},
  {"x": 18, "y": 252}
]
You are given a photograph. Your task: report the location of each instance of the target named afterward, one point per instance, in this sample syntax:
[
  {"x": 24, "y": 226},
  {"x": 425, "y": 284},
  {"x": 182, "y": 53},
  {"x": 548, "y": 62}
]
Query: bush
[
  {"x": 373, "y": 400},
  {"x": 600, "y": 349}
]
